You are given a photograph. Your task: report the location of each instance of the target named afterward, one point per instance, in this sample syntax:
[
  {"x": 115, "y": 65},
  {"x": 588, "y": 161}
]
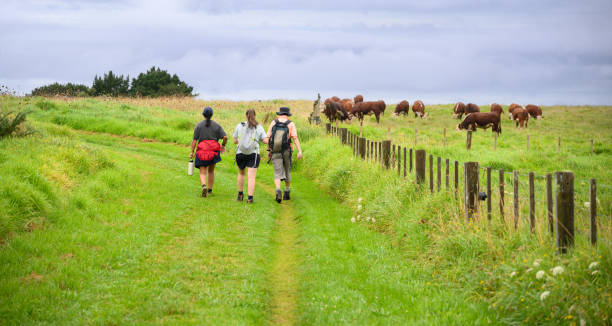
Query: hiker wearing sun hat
[
  {"x": 281, "y": 136},
  {"x": 206, "y": 136}
]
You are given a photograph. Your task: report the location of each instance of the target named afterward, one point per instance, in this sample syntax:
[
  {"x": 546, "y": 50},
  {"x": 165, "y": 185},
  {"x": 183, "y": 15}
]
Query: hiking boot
[
  {"x": 250, "y": 201},
  {"x": 279, "y": 196},
  {"x": 240, "y": 197},
  {"x": 286, "y": 195},
  {"x": 204, "y": 191}
]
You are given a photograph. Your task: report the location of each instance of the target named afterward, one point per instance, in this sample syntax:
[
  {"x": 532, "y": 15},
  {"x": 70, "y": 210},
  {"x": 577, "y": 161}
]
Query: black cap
[
  {"x": 207, "y": 111},
  {"x": 283, "y": 111}
]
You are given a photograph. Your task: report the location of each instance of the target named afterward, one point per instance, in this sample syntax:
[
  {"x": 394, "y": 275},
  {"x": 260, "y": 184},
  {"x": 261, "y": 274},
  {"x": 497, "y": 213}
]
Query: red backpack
[{"x": 208, "y": 149}]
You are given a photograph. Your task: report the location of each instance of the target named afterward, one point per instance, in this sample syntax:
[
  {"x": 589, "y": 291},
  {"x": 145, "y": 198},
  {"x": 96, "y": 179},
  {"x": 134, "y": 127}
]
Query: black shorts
[{"x": 248, "y": 160}]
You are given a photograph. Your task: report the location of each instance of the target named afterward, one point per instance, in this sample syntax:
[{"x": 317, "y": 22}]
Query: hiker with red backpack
[
  {"x": 206, "y": 136},
  {"x": 280, "y": 134},
  {"x": 247, "y": 136}
]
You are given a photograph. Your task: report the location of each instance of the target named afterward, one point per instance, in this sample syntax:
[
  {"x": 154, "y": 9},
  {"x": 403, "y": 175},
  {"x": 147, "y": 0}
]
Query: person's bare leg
[
  {"x": 203, "y": 175},
  {"x": 240, "y": 180},
  {"x": 211, "y": 176},
  {"x": 277, "y": 183},
  {"x": 252, "y": 174}
]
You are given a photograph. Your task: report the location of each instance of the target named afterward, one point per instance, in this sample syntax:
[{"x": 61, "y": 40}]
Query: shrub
[
  {"x": 14, "y": 126},
  {"x": 55, "y": 89},
  {"x": 156, "y": 82}
]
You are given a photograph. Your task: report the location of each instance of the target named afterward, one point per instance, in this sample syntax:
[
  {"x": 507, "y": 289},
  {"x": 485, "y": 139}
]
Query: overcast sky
[{"x": 440, "y": 51}]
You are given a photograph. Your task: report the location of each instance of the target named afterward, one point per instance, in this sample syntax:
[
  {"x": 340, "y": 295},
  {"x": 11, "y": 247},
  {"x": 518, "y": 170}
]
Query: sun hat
[{"x": 283, "y": 111}]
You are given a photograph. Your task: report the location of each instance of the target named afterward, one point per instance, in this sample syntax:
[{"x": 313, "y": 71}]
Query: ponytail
[
  {"x": 207, "y": 117},
  {"x": 250, "y": 115}
]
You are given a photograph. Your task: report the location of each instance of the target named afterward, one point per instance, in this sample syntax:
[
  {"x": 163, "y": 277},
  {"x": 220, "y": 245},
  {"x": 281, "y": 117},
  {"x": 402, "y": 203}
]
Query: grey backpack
[{"x": 247, "y": 141}]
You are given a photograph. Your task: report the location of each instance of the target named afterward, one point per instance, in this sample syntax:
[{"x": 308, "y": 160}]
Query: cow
[
  {"x": 335, "y": 111},
  {"x": 458, "y": 110},
  {"x": 348, "y": 104},
  {"x": 402, "y": 107},
  {"x": 482, "y": 120},
  {"x": 497, "y": 108},
  {"x": 418, "y": 108},
  {"x": 511, "y": 108},
  {"x": 534, "y": 111},
  {"x": 358, "y": 98},
  {"x": 335, "y": 98},
  {"x": 471, "y": 108},
  {"x": 521, "y": 116},
  {"x": 362, "y": 109}
]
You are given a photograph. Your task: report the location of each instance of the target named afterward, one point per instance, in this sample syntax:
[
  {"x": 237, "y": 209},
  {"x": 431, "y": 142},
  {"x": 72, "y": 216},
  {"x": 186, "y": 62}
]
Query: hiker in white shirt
[{"x": 247, "y": 136}]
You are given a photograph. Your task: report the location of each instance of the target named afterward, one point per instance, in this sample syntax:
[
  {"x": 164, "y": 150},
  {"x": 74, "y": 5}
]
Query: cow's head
[{"x": 460, "y": 127}]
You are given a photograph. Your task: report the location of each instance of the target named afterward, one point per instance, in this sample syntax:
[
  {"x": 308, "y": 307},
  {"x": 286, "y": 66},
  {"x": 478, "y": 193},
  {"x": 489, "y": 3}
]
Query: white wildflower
[
  {"x": 557, "y": 270},
  {"x": 353, "y": 220},
  {"x": 593, "y": 265},
  {"x": 540, "y": 274},
  {"x": 544, "y": 295},
  {"x": 359, "y": 207},
  {"x": 513, "y": 274},
  {"x": 359, "y": 200},
  {"x": 373, "y": 220},
  {"x": 536, "y": 263},
  {"x": 358, "y": 217},
  {"x": 368, "y": 219},
  {"x": 595, "y": 272}
]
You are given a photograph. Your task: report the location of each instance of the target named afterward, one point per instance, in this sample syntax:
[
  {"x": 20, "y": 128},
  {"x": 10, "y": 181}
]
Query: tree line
[{"x": 154, "y": 83}]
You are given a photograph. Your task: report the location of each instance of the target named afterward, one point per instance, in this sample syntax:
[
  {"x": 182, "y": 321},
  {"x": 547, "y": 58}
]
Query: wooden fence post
[
  {"x": 488, "y": 192},
  {"x": 404, "y": 162},
  {"x": 593, "y": 211},
  {"x": 531, "y": 201},
  {"x": 564, "y": 210},
  {"x": 439, "y": 180},
  {"x": 380, "y": 154},
  {"x": 431, "y": 180},
  {"x": 471, "y": 189},
  {"x": 411, "y": 160},
  {"x": 447, "y": 172},
  {"x": 549, "y": 203},
  {"x": 386, "y": 146},
  {"x": 393, "y": 157},
  {"x": 501, "y": 193},
  {"x": 456, "y": 178},
  {"x": 516, "y": 199},
  {"x": 399, "y": 161},
  {"x": 468, "y": 141},
  {"x": 343, "y": 135},
  {"x": 375, "y": 145},
  {"x": 362, "y": 148},
  {"x": 420, "y": 165}
]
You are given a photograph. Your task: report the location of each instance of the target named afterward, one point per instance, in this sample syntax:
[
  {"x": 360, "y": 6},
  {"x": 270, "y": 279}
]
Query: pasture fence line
[{"x": 560, "y": 206}]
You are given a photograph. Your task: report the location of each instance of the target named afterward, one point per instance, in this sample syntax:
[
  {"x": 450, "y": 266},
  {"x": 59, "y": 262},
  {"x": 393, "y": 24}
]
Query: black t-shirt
[{"x": 212, "y": 132}]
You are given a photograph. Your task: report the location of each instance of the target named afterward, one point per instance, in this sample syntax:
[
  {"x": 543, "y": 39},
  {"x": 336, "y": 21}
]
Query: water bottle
[{"x": 190, "y": 168}]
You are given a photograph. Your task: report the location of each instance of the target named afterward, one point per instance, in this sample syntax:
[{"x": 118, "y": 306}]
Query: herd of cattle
[{"x": 337, "y": 109}]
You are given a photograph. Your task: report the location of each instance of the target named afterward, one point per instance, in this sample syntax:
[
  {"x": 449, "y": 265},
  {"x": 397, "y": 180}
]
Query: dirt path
[{"x": 283, "y": 278}]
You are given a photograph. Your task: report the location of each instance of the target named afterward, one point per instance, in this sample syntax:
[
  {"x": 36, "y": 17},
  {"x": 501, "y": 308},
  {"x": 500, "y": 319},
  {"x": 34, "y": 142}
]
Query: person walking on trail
[
  {"x": 247, "y": 135},
  {"x": 206, "y": 136},
  {"x": 280, "y": 135}
]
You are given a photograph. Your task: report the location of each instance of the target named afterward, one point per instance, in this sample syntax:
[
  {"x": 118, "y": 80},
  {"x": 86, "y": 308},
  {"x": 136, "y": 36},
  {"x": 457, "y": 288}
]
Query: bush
[
  {"x": 14, "y": 126},
  {"x": 156, "y": 82},
  {"x": 56, "y": 89},
  {"x": 110, "y": 84}
]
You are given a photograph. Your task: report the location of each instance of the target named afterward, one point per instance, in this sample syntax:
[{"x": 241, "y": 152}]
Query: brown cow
[
  {"x": 335, "y": 111},
  {"x": 521, "y": 116},
  {"x": 381, "y": 106},
  {"x": 497, "y": 108},
  {"x": 358, "y": 98},
  {"x": 482, "y": 120},
  {"x": 511, "y": 108},
  {"x": 335, "y": 98},
  {"x": 471, "y": 108},
  {"x": 348, "y": 104},
  {"x": 534, "y": 111},
  {"x": 366, "y": 108},
  {"x": 458, "y": 110},
  {"x": 402, "y": 107},
  {"x": 418, "y": 108}
]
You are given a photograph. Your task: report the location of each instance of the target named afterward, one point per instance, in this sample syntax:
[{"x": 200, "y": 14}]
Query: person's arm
[
  {"x": 193, "y": 145},
  {"x": 294, "y": 136},
  {"x": 223, "y": 144},
  {"x": 267, "y": 139},
  {"x": 236, "y": 135}
]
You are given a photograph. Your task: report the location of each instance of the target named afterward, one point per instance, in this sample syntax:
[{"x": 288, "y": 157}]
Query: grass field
[{"x": 101, "y": 225}]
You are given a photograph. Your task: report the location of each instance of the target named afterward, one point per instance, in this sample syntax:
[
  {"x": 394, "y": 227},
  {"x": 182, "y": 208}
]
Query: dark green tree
[
  {"x": 55, "y": 89},
  {"x": 110, "y": 84},
  {"x": 156, "y": 82}
]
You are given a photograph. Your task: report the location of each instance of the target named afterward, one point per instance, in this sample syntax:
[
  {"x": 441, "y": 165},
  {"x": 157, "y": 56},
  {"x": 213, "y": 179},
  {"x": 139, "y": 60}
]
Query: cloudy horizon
[{"x": 544, "y": 52}]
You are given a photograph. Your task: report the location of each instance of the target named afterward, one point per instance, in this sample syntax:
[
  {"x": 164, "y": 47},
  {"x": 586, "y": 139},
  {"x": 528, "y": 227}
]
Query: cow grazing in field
[
  {"x": 335, "y": 111},
  {"x": 348, "y": 104},
  {"x": 471, "y": 108},
  {"x": 362, "y": 109},
  {"x": 534, "y": 111},
  {"x": 358, "y": 98},
  {"x": 497, "y": 108},
  {"x": 511, "y": 109},
  {"x": 402, "y": 107},
  {"x": 482, "y": 120},
  {"x": 521, "y": 116},
  {"x": 335, "y": 98},
  {"x": 418, "y": 108},
  {"x": 458, "y": 110}
]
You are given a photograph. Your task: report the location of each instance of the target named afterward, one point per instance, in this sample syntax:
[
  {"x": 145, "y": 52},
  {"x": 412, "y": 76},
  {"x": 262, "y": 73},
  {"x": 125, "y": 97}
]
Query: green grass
[{"x": 101, "y": 225}]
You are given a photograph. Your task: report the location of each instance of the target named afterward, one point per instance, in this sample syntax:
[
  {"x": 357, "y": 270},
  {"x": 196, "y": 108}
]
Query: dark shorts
[
  {"x": 199, "y": 163},
  {"x": 248, "y": 160}
]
